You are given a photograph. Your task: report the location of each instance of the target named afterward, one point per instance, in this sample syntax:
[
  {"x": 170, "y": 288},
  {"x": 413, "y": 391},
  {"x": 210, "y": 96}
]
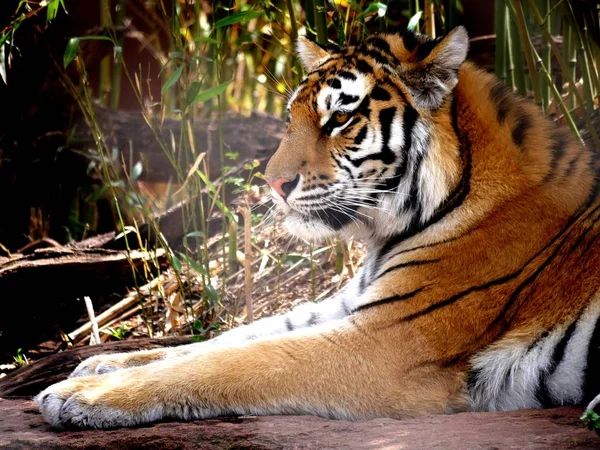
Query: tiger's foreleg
[
  {"x": 336, "y": 372},
  {"x": 304, "y": 315}
]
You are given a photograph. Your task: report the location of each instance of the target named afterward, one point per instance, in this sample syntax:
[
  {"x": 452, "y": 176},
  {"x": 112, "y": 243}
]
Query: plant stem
[
  {"x": 524, "y": 35},
  {"x": 500, "y": 16},
  {"x": 516, "y": 53},
  {"x": 321, "y": 21}
]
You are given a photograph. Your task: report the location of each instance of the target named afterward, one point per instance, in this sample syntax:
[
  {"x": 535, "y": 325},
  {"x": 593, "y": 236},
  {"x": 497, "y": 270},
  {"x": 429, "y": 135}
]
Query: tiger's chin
[{"x": 307, "y": 228}]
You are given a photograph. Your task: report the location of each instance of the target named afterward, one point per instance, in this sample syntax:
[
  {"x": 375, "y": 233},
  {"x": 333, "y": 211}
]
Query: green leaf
[
  {"x": 70, "y": 51},
  {"x": 193, "y": 264},
  {"x": 197, "y": 234},
  {"x": 176, "y": 263},
  {"x": 172, "y": 80},
  {"x": 52, "y": 9},
  {"x": 413, "y": 23},
  {"x": 212, "y": 92},
  {"x": 240, "y": 17},
  {"x": 2, "y": 63},
  {"x": 375, "y": 7},
  {"x": 136, "y": 171},
  {"x": 211, "y": 293},
  {"x": 73, "y": 46},
  {"x": 205, "y": 39},
  {"x": 192, "y": 92}
]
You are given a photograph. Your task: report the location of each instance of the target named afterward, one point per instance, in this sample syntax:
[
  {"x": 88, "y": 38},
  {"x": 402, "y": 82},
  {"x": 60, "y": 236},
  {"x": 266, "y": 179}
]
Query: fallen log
[
  {"x": 44, "y": 287},
  {"x": 33, "y": 378}
]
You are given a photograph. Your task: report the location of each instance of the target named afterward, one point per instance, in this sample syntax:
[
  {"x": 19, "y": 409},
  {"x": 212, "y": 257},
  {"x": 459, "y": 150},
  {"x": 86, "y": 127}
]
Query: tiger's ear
[
  {"x": 434, "y": 72},
  {"x": 310, "y": 53}
]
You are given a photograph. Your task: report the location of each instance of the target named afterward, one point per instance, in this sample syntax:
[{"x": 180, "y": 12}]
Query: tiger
[{"x": 480, "y": 290}]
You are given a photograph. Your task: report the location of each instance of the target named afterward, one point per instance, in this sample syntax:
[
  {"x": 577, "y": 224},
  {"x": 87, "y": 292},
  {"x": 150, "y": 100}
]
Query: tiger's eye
[{"x": 340, "y": 117}]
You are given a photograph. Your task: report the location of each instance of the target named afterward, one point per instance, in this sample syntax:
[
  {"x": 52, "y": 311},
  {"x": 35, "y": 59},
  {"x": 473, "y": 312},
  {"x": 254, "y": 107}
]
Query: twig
[
  {"x": 92, "y": 316},
  {"x": 248, "y": 262}
]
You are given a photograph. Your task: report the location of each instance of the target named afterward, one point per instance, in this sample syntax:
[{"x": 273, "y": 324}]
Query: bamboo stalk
[
  {"x": 320, "y": 21},
  {"x": 429, "y": 9},
  {"x": 510, "y": 60},
  {"x": 589, "y": 69},
  {"x": 115, "y": 93},
  {"x": 525, "y": 38},
  {"x": 293, "y": 24},
  {"x": 248, "y": 263},
  {"x": 104, "y": 86},
  {"x": 450, "y": 13},
  {"x": 519, "y": 77},
  {"x": 546, "y": 49},
  {"x": 570, "y": 79},
  {"x": 572, "y": 63},
  {"x": 500, "y": 15}
]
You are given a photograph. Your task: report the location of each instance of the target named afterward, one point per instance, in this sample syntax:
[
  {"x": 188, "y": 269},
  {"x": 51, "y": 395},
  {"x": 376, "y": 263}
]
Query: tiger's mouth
[{"x": 321, "y": 219}]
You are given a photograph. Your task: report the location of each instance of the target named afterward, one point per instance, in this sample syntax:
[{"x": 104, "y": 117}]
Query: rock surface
[{"x": 22, "y": 427}]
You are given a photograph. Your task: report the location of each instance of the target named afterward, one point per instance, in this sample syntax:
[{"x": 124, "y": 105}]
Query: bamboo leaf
[
  {"x": 192, "y": 92},
  {"x": 73, "y": 46},
  {"x": 70, "y": 51},
  {"x": 172, "y": 80},
  {"x": 136, "y": 171},
  {"x": 375, "y": 7},
  {"x": 52, "y": 9},
  {"x": 413, "y": 23},
  {"x": 212, "y": 92},
  {"x": 3, "y": 63},
  {"x": 205, "y": 39},
  {"x": 240, "y": 17}
]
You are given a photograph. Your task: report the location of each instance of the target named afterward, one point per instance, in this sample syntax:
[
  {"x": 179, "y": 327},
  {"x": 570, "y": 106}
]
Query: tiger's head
[{"x": 369, "y": 147}]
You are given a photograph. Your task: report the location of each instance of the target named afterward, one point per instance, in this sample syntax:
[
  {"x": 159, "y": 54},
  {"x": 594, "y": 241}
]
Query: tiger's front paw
[{"x": 90, "y": 402}]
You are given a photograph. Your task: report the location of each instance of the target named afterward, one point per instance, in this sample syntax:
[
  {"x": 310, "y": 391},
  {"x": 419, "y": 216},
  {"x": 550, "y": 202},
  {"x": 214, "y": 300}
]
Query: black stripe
[
  {"x": 380, "y": 44},
  {"x": 288, "y": 324},
  {"x": 413, "y": 201},
  {"x": 501, "y": 96},
  {"x": 335, "y": 83},
  {"x": 386, "y": 155},
  {"x": 313, "y": 319},
  {"x": 381, "y": 94},
  {"x": 386, "y": 117},
  {"x": 347, "y": 75},
  {"x": 558, "y": 149},
  {"x": 362, "y": 285},
  {"x": 409, "y": 119},
  {"x": 542, "y": 393},
  {"x": 454, "y": 298},
  {"x": 379, "y": 57},
  {"x": 345, "y": 308},
  {"x": 361, "y": 135},
  {"x": 392, "y": 299},
  {"x": 410, "y": 40},
  {"x": 591, "y": 383},
  {"x": 518, "y": 133},
  {"x": 347, "y": 99},
  {"x": 425, "y": 48},
  {"x": 407, "y": 264},
  {"x": 363, "y": 66}
]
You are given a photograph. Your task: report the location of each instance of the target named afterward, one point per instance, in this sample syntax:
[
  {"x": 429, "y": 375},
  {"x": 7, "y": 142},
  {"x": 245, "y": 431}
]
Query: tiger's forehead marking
[{"x": 335, "y": 86}]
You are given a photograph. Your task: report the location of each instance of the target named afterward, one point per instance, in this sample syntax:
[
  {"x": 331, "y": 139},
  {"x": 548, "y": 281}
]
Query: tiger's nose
[{"x": 283, "y": 186}]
